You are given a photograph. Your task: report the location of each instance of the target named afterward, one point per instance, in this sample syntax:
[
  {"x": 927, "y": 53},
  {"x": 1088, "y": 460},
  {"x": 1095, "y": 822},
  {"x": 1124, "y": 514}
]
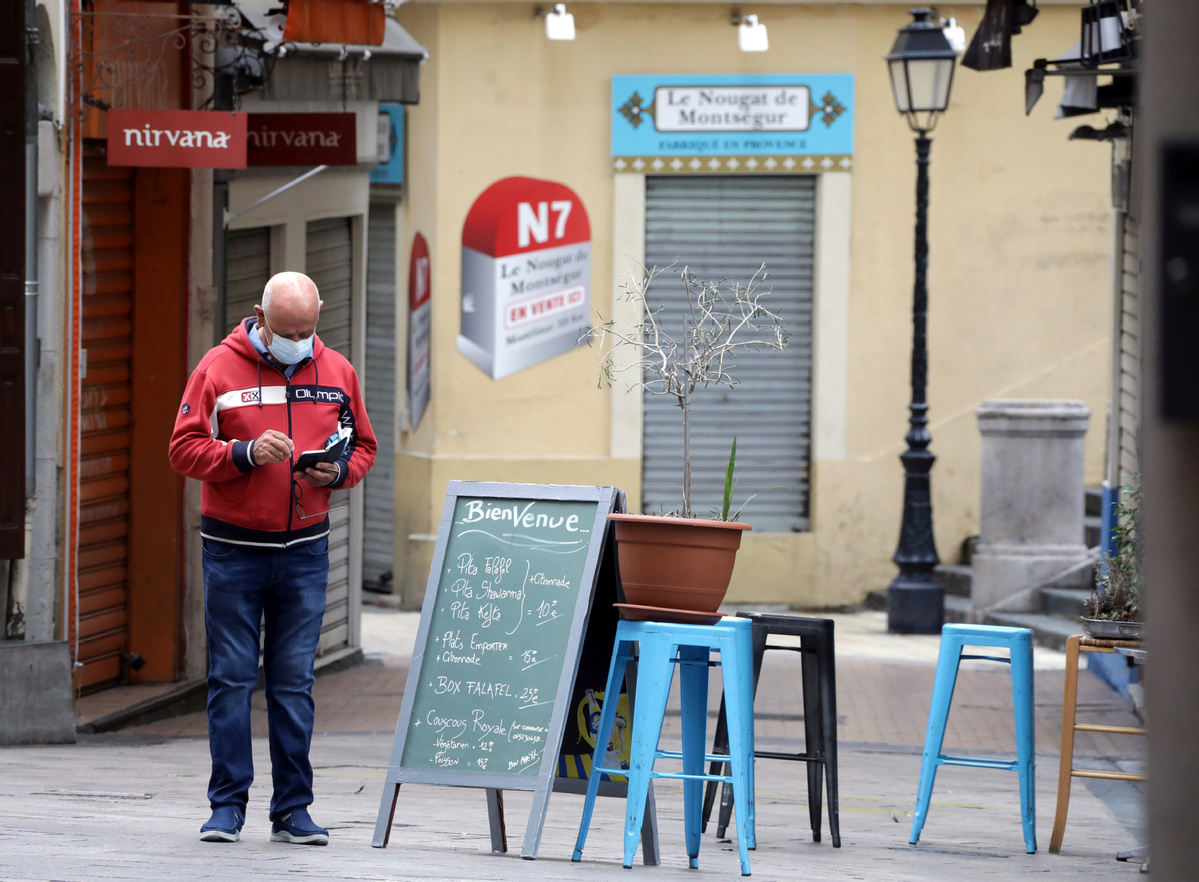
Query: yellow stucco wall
[{"x": 1019, "y": 264}]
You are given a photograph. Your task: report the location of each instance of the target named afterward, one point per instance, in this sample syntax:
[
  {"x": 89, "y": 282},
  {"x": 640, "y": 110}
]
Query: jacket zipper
[{"x": 291, "y": 458}]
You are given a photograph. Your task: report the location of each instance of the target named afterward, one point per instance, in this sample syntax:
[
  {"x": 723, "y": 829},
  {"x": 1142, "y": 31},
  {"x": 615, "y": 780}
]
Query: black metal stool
[{"x": 819, "y": 712}]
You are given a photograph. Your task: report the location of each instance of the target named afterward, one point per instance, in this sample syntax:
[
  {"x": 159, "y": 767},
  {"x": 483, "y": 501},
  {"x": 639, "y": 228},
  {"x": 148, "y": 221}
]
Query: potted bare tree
[{"x": 677, "y": 563}]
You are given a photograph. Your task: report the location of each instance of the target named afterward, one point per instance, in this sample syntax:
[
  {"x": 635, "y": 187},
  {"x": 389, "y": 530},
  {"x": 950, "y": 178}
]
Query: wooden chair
[{"x": 1076, "y": 644}]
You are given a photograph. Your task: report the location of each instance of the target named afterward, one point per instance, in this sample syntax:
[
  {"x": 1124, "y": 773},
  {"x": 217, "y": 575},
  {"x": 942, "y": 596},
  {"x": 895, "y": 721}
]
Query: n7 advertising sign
[{"x": 526, "y": 275}]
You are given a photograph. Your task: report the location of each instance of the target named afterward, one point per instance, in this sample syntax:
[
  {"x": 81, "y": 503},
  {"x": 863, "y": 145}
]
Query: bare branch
[{"x": 722, "y": 321}]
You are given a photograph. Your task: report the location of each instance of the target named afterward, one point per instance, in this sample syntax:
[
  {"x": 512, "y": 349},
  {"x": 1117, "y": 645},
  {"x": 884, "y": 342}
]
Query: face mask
[{"x": 289, "y": 351}]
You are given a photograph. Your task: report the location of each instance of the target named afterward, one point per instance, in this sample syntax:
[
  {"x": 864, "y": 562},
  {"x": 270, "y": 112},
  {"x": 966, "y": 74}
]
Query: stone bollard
[{"x": 1031, "y": 510}]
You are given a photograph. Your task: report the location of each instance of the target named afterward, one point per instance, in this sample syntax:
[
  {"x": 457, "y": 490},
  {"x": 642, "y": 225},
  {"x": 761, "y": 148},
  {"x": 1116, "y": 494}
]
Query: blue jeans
[{"x": 241, "y": 586}]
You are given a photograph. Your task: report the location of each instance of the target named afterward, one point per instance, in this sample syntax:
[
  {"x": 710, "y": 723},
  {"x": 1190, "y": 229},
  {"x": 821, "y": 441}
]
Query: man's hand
[
  {"x": 271, "y": 446},
  {"x": 320, "y": 477}
]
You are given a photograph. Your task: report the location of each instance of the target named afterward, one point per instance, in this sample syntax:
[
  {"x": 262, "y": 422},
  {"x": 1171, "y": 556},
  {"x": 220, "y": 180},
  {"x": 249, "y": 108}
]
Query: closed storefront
[
  {"x": 248, "y": 268},
  {"x": 126, "y": 589},
  {"x": 380, "y": 390},
  {"x": 330, "y": 263},
  {"x": 104, "y": 419},
  {"x": 727, "y": 229}
]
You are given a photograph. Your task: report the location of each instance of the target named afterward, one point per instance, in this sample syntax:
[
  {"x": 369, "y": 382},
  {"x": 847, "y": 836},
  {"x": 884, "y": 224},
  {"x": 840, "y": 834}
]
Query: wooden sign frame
[{"x": 545, "y": 781}]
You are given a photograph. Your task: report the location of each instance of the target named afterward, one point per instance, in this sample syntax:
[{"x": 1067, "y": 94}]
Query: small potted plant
[
  {"x": 677, "y": 561},
  {"x": 1113, "y": 611}
]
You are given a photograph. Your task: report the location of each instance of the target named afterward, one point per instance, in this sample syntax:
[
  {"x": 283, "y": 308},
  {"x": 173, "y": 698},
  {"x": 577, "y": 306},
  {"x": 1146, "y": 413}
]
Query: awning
[{"x": 336, "y": 71}]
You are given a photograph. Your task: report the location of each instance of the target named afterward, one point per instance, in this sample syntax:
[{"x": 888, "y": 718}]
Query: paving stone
[{"x": 128, "y": 805}]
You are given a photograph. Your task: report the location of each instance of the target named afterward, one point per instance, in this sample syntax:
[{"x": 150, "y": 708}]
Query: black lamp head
[{"x": 921, "y": 64}]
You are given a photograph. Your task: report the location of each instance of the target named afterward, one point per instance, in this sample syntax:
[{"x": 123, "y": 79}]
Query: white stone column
[{"x": 1031, "y": 510}]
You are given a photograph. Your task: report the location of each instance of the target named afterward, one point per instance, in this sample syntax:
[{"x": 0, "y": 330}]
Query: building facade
[
  {"x": 560, "y": 159},
  {"x": 1020, "y": 238},
  {"x": 144, "y": 257}
]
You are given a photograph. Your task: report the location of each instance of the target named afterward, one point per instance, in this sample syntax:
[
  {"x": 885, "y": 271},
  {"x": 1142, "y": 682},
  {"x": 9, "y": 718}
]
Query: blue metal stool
[
  {"x": 663, "y": 645},
  {"x": 1019, "y": 644}
]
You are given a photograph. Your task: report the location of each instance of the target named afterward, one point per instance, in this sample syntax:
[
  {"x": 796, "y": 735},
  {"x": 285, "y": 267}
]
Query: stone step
[
  {"x": 957, "y": 608},
  {"x": 876, "y": 599},
  {"x": 1063, "y": 602},
  {"x": 954, "y": 578},
  {"x": 1050, "y": 631}
]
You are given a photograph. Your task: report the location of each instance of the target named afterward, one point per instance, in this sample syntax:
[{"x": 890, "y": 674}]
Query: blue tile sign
[{"x": 732, "y": 124}]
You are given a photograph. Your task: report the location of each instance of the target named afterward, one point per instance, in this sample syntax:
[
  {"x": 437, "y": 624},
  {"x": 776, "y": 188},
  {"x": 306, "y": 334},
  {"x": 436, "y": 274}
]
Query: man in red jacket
[{"x": 269, "y": 391}]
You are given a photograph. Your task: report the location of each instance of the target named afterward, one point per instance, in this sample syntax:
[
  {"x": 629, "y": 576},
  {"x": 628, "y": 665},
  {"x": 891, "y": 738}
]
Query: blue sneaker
[
  {"x": 224, "y": 825},
  {"x": 299, "y": 829}
]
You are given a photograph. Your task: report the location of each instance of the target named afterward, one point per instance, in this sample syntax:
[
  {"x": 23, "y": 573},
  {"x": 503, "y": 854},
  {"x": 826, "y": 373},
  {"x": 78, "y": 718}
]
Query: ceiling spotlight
[
  {"x": 955, "y": 34},
  {"x": 751, "y": 36},
  {"x": 559, "y": 24}
]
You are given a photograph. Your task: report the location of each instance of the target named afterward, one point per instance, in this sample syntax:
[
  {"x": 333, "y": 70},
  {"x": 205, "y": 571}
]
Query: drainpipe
[{"x": 31, "y": 274}]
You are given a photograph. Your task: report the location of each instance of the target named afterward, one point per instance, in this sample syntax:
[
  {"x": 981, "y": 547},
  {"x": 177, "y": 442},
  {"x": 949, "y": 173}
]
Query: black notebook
[{"x": 309, "y": 458}]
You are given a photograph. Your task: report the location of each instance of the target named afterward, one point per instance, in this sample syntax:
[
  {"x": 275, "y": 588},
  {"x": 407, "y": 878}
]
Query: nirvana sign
[
  {"x": 302, "y": 139},
  {"x": 177, "y": 138},
  {"x": 213, "y": 139}
]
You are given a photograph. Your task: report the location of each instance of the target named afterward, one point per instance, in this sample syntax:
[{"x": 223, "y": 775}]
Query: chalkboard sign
[
  {"x": 499, "y": 633},
  {"x": 500, "y": 637}
]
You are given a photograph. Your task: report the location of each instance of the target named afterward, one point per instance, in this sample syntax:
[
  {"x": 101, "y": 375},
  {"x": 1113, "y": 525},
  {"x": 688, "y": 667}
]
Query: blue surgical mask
[{"x": 289, "y": 351}]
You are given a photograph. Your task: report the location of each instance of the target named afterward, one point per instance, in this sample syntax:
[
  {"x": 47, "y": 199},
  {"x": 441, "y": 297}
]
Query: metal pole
[
  {"x": 230, "y": 218},
  {"x": 915, "y": 601}
]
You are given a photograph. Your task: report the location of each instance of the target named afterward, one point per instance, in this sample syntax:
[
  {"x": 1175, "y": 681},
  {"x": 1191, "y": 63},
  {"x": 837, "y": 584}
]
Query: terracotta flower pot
[{"x": 676, "y": 563}]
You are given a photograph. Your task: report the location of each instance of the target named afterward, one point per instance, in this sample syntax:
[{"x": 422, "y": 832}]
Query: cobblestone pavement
[{"x": 128, "y": 805}]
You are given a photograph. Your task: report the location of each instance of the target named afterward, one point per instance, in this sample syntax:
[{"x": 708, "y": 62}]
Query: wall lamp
[
  {"x": 751, "y": 35},
  {"x": 559, "y": 24}
]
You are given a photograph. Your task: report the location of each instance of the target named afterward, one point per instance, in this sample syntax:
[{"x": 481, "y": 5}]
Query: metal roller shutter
[
  {"x": 726, "y": 228},
  {"x": 104, "y": 419},
  {"x": 330, "y": 263},
  {"x": 247, "y": 270},
  {"x": 1128, "y": 351},
  {"x": 380, "y": 391}
]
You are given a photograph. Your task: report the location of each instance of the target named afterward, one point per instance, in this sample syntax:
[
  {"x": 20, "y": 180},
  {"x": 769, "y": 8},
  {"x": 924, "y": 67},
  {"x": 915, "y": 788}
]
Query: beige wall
[{"x": 1019, "y": 278}]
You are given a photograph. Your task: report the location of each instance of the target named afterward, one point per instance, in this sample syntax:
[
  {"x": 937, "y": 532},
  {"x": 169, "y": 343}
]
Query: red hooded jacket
[{"x": 231, "y": 398}]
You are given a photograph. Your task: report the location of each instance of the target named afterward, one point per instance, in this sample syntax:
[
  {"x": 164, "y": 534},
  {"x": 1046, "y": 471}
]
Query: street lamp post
[{"x": 921, "y": 64}]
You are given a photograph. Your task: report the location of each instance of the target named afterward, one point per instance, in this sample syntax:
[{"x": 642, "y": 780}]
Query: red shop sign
[
  {"x": 177, "y": 138},
  {"x": 302, "y": 139},
  {"x": 518, "y": 215}
]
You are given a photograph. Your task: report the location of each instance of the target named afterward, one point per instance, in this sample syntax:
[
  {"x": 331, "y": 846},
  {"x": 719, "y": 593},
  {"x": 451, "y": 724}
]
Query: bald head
[{"x": 290, "y": 307}]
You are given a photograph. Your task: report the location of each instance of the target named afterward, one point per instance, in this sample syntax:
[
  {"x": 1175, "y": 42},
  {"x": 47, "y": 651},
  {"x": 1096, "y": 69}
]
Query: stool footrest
[
  {"x": 1109, "y": 776},
  {"x": 727, "y": 779},
  {"x": 1114, "y": 730},
  {"x": 995, "y": 658},
  {"x": 978, "y": 762},
  {"x": 798, "y": 757},
  {"x": 675, "y": 754}
]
